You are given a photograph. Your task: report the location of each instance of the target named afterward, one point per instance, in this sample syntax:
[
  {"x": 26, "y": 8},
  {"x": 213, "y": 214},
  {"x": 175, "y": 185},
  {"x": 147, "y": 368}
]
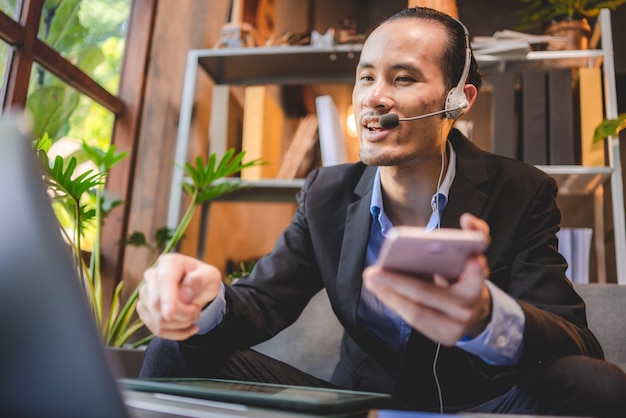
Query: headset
[{"x": 456, "y": 100}]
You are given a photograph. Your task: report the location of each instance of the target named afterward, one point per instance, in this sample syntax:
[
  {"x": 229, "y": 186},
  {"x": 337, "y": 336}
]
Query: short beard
[{"x": 381, "y": 158}]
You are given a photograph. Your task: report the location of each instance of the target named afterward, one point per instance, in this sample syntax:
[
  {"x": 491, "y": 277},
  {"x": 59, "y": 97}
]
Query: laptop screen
[{"x": 52, "y": 361}]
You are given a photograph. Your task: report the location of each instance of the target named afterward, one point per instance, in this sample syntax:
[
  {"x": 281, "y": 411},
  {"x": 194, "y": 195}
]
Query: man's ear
[{"x": 470, "y": 94}]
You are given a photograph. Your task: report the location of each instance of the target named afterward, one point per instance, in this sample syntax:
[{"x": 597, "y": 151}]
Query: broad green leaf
[
  {"x": 609, "y": 127},
  {"x": 104, "y": 160},
  {"x": 89, "y": 57},
  {"x": 66, "y": 31},
  {"x": 51, "y": 107}
]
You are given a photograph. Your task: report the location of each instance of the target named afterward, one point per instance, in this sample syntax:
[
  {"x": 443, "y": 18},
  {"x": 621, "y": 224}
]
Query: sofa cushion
[
  {"x": 606, "y": 316},
  {"x": 312, "y": 343}
]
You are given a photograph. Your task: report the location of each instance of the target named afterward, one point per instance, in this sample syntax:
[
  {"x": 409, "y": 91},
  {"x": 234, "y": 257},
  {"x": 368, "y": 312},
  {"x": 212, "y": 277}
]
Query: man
[{"x": 509, "y": 335}]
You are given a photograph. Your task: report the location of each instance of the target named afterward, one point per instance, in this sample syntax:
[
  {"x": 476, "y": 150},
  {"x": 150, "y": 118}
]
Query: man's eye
[{"x": 404, "y": 79}]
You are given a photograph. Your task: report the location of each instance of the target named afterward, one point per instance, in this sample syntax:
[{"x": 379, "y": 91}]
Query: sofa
[{"x": 312, "y": 343}]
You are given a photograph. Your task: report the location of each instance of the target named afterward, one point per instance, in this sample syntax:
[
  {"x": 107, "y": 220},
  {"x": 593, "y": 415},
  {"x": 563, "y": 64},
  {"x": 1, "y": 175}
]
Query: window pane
[
  {"x": 9, "y": 8},
  {"x": 90, "y": 33},
  {"x": 60, "y": 111},
  {"x": 4, "y": 56}
]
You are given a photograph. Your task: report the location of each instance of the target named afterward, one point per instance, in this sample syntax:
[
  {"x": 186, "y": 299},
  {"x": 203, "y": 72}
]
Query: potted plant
[
  {"x": 564, "y": 18},
  {"x": 82, "y": 204}
]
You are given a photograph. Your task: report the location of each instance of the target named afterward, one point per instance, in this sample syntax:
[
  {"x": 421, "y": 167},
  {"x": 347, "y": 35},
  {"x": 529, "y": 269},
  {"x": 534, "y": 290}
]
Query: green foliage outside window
[
  {"x": 90, "y": 34},
  {"x": 9, "y": 7}
]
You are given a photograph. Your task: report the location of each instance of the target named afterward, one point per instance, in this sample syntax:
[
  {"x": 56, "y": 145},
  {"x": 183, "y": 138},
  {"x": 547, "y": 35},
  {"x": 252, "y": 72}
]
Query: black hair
[{"x": 453, "y": 59}]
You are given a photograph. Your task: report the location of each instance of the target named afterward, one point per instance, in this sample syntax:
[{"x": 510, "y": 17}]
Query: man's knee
[
  {"x": 165, "y": 358},
  {"x": 584, "y": 385}
]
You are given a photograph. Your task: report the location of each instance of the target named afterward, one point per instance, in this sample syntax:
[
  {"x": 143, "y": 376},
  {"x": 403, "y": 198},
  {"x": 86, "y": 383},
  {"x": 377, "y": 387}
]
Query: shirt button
[{"x": 501, "y": 341}]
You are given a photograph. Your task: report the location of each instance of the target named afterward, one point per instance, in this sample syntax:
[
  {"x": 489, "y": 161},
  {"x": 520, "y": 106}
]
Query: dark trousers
[{"x": 572, "y": 385}]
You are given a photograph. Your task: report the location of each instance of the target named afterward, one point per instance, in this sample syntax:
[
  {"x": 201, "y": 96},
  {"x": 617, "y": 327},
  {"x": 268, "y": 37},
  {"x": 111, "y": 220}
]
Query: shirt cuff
[
  {"x": 212, "y": 315},
  {"x": 500, "y": 344}
]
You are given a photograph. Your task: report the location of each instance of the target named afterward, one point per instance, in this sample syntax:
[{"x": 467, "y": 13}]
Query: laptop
[
  {"x": 52, "y": 361},
  {"x": 278, "y": 397}
]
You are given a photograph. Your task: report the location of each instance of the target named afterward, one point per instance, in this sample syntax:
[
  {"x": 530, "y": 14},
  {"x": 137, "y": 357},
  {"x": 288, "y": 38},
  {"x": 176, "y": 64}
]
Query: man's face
[{"x": 399, "y": 72}]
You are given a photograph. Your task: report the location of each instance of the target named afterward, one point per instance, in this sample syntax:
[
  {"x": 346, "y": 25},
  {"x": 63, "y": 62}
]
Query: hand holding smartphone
[{"x": 444, "y": 251}]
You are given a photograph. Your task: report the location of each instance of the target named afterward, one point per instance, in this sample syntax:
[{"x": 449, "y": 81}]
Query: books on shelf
[
  {"x": 534, "y": 119},
  {"x": 591, "y": 114},
  {"x": 301, "y": 148},
  {"x": 262, "y": 132},
  {"x": 561, "y": 133},
  {"x": 534, "y": 116},
  {"x": 332, "y": 139},
  {"x": 504, "y": 119},
  {"x": 575, "y": 247}
]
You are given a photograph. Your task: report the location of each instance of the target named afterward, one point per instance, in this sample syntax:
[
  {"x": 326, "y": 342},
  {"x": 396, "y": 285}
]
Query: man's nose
[{"x": 378, "y": 96}]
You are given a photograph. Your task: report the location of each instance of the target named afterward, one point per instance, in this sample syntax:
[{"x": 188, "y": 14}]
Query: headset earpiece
[{"x": 456, "y": 100}]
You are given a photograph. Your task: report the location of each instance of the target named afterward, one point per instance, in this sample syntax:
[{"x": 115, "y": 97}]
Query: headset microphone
[{"x": 391, "y": 120}]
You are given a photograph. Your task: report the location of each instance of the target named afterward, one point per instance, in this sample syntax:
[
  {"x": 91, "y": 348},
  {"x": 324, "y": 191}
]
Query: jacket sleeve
[{"x": 527, "y": 265}]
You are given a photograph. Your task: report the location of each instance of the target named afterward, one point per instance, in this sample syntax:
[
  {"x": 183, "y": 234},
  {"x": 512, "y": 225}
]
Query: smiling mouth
[{"x": 373, "y": 126}]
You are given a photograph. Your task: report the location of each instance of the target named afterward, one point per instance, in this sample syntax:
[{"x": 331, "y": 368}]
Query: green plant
[
  {"x": 82, "y": 204},
  {"x": 244, "y": 271},
  {"x": 537, "y": 13},
  {"x": 609, "y": 127}
]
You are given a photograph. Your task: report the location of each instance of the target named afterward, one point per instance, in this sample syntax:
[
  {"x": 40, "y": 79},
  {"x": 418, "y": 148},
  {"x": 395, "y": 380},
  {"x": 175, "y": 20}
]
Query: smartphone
[{"x": 443, "y": 251}]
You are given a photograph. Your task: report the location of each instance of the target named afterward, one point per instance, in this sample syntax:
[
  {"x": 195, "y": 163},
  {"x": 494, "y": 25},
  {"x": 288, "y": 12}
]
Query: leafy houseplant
[
  {"x": 540, "y": 13},
  {"x": 81, "y": 204},
  {"x": 565, "y": 19}
]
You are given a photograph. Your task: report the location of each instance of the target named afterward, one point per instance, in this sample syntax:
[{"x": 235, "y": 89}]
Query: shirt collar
[{"x": 376, "y": 204}]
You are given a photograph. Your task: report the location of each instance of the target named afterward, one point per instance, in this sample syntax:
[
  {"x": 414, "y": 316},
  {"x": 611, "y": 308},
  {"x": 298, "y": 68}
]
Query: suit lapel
[
  {"x": 354, "y": 244},
  {"x": 350, "y": 271},
  {"x": 467, "y": 190}
]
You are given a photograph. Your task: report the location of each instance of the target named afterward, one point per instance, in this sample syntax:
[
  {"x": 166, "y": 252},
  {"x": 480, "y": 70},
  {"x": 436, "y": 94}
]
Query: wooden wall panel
[
  {"x": 125, "y": 137},
  {"x": 157, "y": 137},
  {"x": 244, "y": 231}
]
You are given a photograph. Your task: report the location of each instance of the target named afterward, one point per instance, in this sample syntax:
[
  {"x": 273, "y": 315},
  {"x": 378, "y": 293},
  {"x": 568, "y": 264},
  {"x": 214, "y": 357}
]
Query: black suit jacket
[{"x": 324, "y": 246}]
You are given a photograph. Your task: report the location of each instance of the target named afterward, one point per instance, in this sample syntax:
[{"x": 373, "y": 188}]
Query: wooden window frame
[{"x": 127, "y": 106}]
